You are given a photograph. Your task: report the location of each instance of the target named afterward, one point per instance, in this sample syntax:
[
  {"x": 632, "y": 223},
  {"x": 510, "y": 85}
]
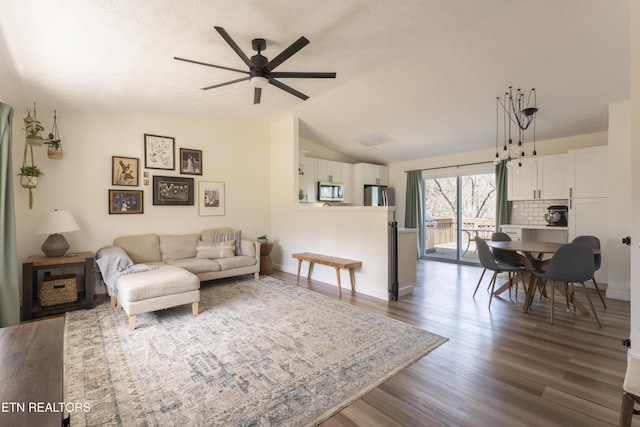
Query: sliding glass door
[{"x": 457, "y": 209}]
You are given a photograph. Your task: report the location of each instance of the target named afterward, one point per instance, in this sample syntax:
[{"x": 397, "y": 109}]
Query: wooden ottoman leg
[
  {"x": 339, "y": 284},
  {"x": 194, "y": 308},
  {"x": 114, "y": 301},
  {"x": 132, "y": 322}
]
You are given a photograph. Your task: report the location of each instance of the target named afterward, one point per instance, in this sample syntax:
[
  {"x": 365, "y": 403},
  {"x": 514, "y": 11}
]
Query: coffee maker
[{"x": 556, "y": 216}]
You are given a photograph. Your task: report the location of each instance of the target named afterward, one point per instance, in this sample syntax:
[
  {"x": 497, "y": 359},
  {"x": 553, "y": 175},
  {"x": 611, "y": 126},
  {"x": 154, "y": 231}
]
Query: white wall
[
  {"x": 619, "y": 171},
  {"x": 359, "y": 233},
  {"x": 81, "y": 180},
  {"x": 635, "y": 179}
]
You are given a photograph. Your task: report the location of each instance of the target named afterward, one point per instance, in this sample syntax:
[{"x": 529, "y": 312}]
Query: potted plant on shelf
[
  {"x": 262, "y": 239},
  {"x": 29, "y": 176},
  {"x": 33, "y": 128}
]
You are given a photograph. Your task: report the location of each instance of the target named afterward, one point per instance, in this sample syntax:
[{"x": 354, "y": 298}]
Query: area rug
[{"x": 260, "y": 353}]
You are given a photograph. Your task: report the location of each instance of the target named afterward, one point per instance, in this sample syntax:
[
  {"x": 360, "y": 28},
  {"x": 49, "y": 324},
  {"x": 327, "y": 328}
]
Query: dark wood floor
[{"x": 500, "y": 367}]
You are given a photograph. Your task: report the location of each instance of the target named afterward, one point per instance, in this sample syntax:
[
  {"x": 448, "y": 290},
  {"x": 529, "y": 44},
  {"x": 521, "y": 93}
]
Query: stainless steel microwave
[{"x": 330, "y": 192}]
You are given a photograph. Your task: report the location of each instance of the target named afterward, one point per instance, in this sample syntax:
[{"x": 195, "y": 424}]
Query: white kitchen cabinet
[
  {"x": 588, "y": 172},
  {"x": 307, "y": 184},
  {"x": 329, "y": 171},
  {"x": 347, "y": 182},
  {"x": 375, "y": 174},
  {"x": 589, "y": 217},
  {"x": 546, "y": 179}
]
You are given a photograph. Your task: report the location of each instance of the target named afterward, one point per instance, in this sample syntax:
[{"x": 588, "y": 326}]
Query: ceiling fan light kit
[
  {"x": 260, "y": 73},
  {"x": 515, "y": 112}
]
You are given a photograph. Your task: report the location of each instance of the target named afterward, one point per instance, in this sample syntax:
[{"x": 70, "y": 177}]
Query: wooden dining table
[{"x": 535, "y": 251}]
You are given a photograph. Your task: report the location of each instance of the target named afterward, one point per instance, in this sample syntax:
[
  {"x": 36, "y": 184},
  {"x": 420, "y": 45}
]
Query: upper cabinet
[
  {"x": 543, "y": 180},
  {"x": 588, "y": 172},
  {"x": 375, "y": 174},
  {"x": 329, "y": 171}
]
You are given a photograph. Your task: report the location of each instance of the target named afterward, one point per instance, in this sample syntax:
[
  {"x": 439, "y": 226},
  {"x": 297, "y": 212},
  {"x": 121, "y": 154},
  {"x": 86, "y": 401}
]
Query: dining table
[{"x": 535, "y": 252}]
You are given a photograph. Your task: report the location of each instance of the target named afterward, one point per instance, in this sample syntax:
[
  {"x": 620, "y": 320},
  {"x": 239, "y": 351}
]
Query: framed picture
[
  {"x": 159, "y": 152},
  {"x": 210, "y": 198},
  {"x": 190, "y": 161},
  {"x": 124, "y": 171},
  {"x": 126, "y": 202},
  {"x": 172, "y": 190}
]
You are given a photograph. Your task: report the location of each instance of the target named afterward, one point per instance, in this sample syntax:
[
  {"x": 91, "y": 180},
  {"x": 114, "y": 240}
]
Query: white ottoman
[{"x": 164, "y": 287}]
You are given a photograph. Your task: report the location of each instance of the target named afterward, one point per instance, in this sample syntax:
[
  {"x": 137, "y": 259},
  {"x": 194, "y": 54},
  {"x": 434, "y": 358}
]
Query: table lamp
[{"x": 53, "y": 223}]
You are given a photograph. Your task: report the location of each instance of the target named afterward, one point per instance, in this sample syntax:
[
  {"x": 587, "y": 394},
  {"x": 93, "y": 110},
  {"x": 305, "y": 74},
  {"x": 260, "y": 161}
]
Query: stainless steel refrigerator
[{"x": 378, "y": 195}]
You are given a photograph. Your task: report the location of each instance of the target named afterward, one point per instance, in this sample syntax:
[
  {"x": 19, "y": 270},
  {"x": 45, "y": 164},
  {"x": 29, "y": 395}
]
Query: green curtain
[
  {"x": 503, "y": 206},
  {"x": 9, "y": 287},
  {"x": 414, "y": 212}
]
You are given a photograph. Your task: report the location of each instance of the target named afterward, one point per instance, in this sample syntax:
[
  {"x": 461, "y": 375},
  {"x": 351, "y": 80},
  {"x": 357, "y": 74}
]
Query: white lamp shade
[{"x": 56, "y": 222}]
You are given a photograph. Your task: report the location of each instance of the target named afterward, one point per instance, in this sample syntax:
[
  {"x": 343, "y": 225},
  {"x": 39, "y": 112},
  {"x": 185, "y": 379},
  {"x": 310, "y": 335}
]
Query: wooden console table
[
  {"x": 31, "y": 373},
  {"x": 80, "y": 261},
  {"x": 331, "y": 261}
]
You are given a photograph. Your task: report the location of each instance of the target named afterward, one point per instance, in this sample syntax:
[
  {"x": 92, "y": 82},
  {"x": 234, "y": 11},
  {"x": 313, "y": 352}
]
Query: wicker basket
[{"x": 58, "y": 290}]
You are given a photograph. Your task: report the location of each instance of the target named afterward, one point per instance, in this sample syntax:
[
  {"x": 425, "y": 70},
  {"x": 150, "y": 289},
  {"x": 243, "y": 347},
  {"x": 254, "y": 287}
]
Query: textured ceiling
[{"x": 424, "y": 72}]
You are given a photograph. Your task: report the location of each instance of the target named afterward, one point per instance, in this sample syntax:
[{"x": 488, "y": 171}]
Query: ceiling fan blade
[
  {"x": 257, "y": 93},
  {"x": 234, "y": 46},
  {"x": 287, "y": 53},
  {"x": 211, "y": 65},
  {"x": 302, "y": 75},
  {"x": 226, "y": 83},
  {"x": 288, "y": 89}
]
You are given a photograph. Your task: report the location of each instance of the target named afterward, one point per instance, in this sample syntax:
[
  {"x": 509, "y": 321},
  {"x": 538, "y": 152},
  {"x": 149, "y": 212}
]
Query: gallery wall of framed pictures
[{"x": 167, "y": 190}]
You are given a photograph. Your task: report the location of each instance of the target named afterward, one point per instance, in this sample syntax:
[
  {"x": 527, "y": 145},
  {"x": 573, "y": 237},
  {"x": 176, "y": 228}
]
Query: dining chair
[
  {"x": 571, "y": 263},
  {"x": 507, "y": 257},
  {"x": 490, "y": 263},
  {"x": 592, "y": 242}
]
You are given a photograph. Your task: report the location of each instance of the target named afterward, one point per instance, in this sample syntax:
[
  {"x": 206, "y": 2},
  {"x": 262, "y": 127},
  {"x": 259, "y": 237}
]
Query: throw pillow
[
  {"x": 212, "y": 250},
  {"x": 225, "y": 236}
]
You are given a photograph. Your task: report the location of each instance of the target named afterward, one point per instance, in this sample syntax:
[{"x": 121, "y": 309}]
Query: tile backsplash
[{"x": 531, "y": 212}]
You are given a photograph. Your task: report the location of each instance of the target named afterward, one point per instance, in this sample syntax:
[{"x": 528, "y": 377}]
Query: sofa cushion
[
  {"x": 222, "y": 235},
  {"x": 166, "y": 280},
  {"x": 248, "y": 248},
  {"x": 178, "y": 246},
  {"x": 212, "y": 250},
  {"x": 236, "y": 262},
  {"x": 196, "y": 265},
  {"x": 141, "y": 248}
]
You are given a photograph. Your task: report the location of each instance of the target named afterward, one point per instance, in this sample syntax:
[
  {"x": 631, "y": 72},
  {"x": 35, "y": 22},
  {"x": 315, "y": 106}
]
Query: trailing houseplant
[{"x": 33, "y": 128}]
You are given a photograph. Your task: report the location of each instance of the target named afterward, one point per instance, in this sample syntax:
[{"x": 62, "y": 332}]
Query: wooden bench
[{"x": 331, "y": 261}]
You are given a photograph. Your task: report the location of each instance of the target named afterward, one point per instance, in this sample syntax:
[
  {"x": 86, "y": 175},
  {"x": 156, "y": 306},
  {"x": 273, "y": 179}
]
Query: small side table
[
  {"x": 82, "y": 262},
  {"x": 265, "y": 258}
]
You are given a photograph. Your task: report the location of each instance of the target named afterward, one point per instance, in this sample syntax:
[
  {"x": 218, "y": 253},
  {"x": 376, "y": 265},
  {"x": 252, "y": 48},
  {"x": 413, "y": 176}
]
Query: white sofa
[
  {"x": 182, "y": 251},
  {"x": 179, "y": 262}
]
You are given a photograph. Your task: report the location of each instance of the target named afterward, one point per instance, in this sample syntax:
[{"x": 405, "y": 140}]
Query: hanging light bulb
[{"x": 515, "y": 111}]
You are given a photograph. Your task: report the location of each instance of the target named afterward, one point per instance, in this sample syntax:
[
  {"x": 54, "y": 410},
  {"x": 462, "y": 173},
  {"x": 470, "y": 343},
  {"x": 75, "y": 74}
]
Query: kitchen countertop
[{"x": 534, "y": 227}]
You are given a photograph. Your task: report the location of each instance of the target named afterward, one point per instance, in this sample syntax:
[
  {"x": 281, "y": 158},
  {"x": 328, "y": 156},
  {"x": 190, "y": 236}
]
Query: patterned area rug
[{"x": 258, "y": 354}]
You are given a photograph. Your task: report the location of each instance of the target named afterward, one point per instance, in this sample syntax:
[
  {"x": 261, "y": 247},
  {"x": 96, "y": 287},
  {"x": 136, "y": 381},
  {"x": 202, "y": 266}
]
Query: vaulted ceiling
[{"x": 425, "y": 73}]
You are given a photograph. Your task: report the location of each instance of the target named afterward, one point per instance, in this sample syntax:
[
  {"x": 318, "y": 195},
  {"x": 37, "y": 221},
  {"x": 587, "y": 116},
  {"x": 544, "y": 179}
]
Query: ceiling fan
[{"x": 261, "y": 69}]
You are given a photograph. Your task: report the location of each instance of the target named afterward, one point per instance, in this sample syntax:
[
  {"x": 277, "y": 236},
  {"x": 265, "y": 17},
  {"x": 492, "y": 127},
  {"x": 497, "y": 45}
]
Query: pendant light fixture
[{"x": 520, "y": 115}]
